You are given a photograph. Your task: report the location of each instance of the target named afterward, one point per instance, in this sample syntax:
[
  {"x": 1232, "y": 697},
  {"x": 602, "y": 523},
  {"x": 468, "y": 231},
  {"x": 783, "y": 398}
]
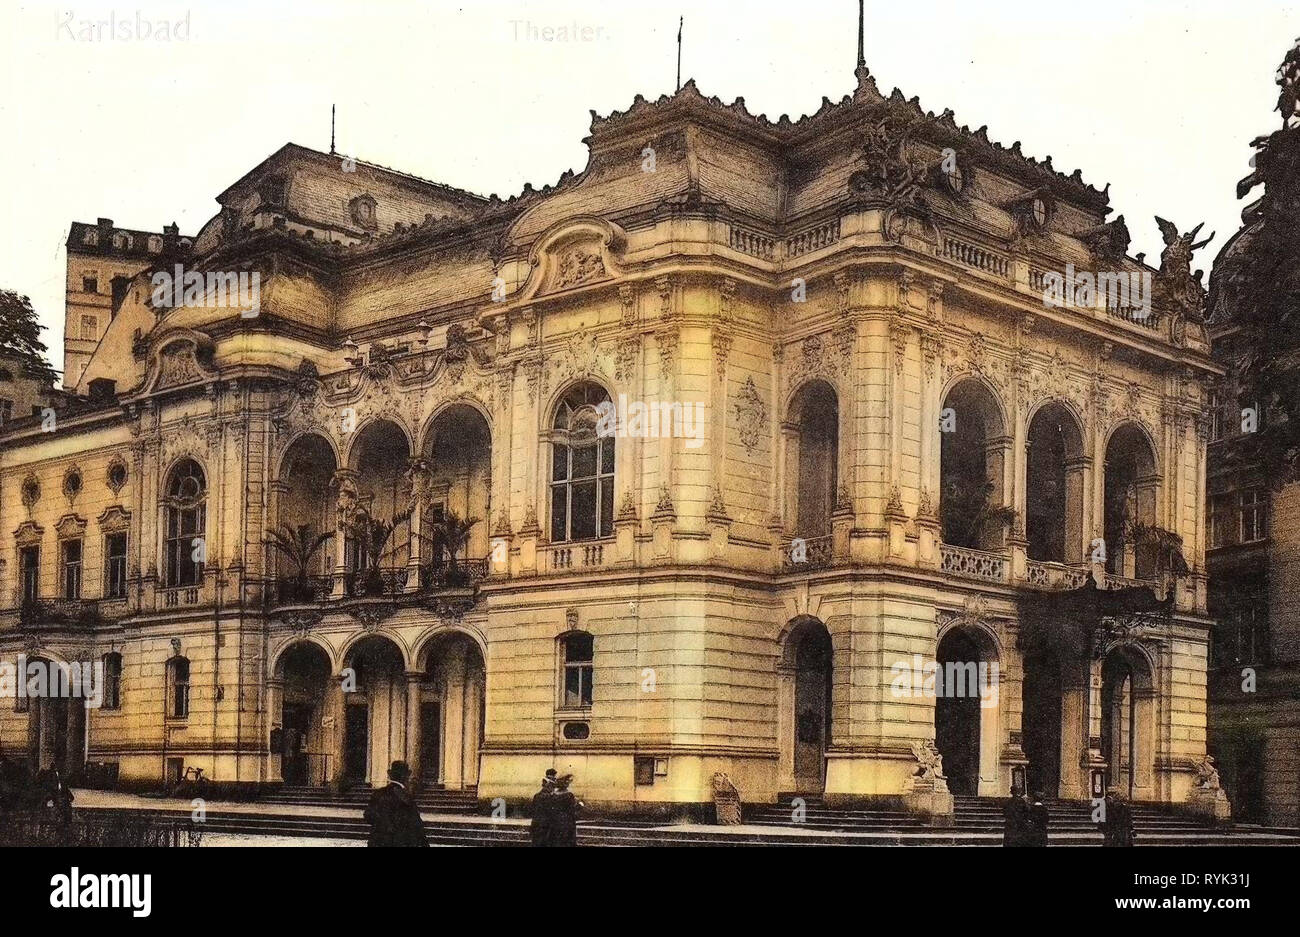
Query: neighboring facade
[
  {"x": 640, "y": 611},
  {"x": 1254, "y": 562},
  {"x": 102, "y": 260},
  {"x": 21, "y": 394}
]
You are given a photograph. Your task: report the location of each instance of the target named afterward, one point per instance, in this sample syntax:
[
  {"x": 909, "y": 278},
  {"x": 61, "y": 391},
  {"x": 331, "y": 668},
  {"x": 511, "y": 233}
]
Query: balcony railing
[
  {"x": 805, "y": 553},
  {"x": 180, "y": 596},
  {"x": 975, "y": 257},
  {"x": 303, "y": 591},
  {"x": 1040, "y": 574},
  {"x": 375, "y": 582},
  {"x": 562, "y": 557},
  {"x": 50, "y": 613},
  {"x": 973, "y": 564}
]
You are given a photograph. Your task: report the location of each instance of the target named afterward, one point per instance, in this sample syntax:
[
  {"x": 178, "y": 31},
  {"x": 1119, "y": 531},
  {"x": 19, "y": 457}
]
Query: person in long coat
[
  {"x": 1118, "y": 827},
  {"x": 392, "y": 813},
  {"x": 1038, "y": 821},
  {"x": 1016, "y": 815},
  {"x": 566, "y": 808},
  {"x": 541, "y": 831}
]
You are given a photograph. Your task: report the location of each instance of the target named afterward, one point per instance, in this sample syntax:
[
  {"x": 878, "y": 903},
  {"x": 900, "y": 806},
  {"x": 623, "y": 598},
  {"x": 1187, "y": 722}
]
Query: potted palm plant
[
  {"x": 299, "y": 545},
  {"x": 1166, "y": 547},
  {"x": 450, "y": 534},
  {"x": 373, "y": 534}
]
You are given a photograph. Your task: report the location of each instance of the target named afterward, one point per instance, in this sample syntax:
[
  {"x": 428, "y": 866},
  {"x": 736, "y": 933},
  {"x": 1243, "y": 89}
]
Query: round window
[{"x": 72, "y": 483}]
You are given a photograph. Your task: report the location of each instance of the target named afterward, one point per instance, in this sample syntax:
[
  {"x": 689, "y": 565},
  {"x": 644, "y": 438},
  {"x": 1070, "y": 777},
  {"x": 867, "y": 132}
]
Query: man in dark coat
[
  {"x": 541, "y": 831},
  {"x": 566, "y": 809},
  {"x": 1038, "y": 819},
  {"x": 392, "y": 813},
  {"x": 1016, "y": 814},
  {"x": 1117, "y": 829}
]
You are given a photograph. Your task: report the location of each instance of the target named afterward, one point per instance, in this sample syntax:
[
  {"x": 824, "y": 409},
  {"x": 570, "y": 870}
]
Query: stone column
[
  {"x": 1074, "y": 722},
  {"x": 344, "y": 484},
  {"x": 453, "y": 710},
  {"x": 332, "y": 758},
  {"x": 275, "y": 717},
  {"x": 1077, "y": 515},
  {"x": 412, "y": 755},
  {"x": 790, "y": 479}
]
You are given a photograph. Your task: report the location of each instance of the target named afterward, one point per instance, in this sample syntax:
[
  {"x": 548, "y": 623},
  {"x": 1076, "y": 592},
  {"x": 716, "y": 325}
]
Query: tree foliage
[
  {"x": 20, "y": 336},
  {"x": 1259, "y": 286}
]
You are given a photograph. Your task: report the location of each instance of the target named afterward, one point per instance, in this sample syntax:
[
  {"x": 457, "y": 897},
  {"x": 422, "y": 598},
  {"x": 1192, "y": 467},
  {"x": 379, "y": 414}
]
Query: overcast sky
[{"x": 1159, "y": 98}]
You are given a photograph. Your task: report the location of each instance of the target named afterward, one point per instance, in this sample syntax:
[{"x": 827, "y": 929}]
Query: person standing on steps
[
  {"x": 541, "y": 831},
  {"x": 566, "y": 808},
  {"x": 1038, "y": 821},
  {"x": 1117, "y": 828},
  {"x": 392, "y": 813},
  {"x": 1016, "y": 814}
]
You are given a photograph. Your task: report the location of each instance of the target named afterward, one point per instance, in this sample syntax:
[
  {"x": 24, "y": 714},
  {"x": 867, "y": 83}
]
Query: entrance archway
[
  {"x": 966, "y": 710},
  {"x": 304, "y": 674},
  {"x": 449, "y": 729},
  {"x": 374, "y": 710},
  {"x": 56, "y": 724},
  {"x": 808, "y": 660},
  {"x": 1127, "y": 711},
  {"x": 1041, "y": 722}
]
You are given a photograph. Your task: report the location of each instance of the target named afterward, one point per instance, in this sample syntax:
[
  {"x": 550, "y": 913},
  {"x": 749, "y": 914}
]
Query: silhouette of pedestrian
[
  {"x": 542, "y": 829},
  {"x": 1038, "y": 821},
  {"x": 1016, "y": 815},
  {"x": 392, "y": 813},
  {"x": 1117, "y": 828},
  {"x": 566, "y": 808}
]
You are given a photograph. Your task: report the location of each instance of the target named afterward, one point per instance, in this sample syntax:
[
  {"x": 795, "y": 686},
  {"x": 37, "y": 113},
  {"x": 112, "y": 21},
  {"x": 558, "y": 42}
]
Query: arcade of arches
[{"x": 352, "y": 724}]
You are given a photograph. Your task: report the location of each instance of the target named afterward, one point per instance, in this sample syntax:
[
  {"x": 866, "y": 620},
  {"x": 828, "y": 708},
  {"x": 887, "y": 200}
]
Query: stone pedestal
[
  {"x": 929, "y": 798},
  {"x": 1211, "y": 803}
]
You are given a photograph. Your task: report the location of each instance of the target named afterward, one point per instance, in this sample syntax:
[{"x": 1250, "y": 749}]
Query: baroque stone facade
[{"x": 645, "y": 610}]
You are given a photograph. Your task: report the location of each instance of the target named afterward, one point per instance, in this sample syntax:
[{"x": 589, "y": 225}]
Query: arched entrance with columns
[
  {"x": 56, "y": 724},
  {"x": 305, "y": 747},
  {"x": 1128, "y": 703},
  {"x": 374, "y": 718},
  {"x": 966, "y": 709},
  {"x": 806, "y": 677},
  {"x": 449, "y": 706}
]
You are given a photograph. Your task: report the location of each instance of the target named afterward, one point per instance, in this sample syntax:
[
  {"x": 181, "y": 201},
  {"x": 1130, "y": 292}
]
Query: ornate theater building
[{"x": 380, "y": 513}]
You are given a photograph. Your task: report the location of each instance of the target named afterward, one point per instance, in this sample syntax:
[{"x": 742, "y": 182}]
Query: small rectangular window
[
  {"x": 71, "y": 572},
  {"x": 89, "y": 285},
  {"x": 115, "y": 566},
  {"x": 90, "y": 328},
  {"x": 29, "y": 565},
  {"x": 112, "y": 681},
  {"x": 6, "y": 411},
  {"x": 1253, "y": 515}
]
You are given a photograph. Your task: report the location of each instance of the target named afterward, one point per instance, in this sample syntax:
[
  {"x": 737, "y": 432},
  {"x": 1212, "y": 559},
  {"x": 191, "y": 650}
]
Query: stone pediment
[
  {"x": 70, "y": 526},
  {"x": 180, "y": 359},
  {"x": 575, "y": 253},
  {"x": 115, "y": 517}
]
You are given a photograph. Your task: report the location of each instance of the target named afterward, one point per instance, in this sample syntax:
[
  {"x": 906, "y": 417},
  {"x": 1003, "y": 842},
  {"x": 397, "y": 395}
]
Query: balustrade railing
[
  {"x": 975, "y": 257},
  {"x": 577, "y": 556},
  {"x": 973, "y": 564},
  {"x": 803, "y": 553}
]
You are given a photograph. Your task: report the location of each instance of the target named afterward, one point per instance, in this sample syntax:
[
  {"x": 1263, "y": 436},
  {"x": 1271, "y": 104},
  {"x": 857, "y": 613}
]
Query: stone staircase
[
  {"x": 430, "y": 799},
  {"x": 979, "y": 821}
]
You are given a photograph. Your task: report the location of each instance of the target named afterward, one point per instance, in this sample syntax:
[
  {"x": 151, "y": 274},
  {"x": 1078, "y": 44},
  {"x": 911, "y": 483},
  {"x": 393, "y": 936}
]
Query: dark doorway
[
  {"x": 356, "y": 741},
  {"x": 430, "y": 743},
  {"x": 1247, "y": 794},
  {"x": 812, "y": 706},
  {"x": 297, "y": 729},
  {"x": 1041, "y": 723},
  {"x": 957, "y": 712}
]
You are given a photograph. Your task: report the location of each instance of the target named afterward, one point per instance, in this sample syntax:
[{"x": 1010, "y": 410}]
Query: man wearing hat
[
  {"x": 542, "y": 830},
  {"x": 392, "y": 813}
]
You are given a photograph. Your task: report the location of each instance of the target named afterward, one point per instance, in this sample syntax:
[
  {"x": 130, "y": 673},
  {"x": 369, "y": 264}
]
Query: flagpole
[{"x": 680, "y": 23}]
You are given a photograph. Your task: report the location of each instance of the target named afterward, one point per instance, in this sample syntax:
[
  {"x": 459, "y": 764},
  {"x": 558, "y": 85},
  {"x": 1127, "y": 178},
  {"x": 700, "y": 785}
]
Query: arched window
[
  {"x": 112, "y": 681},
  {"x": 578, "y": 649},
  {"x": 582, "y": 468},
  {"x": 812, "y": 451},
  {"x": 178, "y": 688},
  {"x": 186, "y": 509}
]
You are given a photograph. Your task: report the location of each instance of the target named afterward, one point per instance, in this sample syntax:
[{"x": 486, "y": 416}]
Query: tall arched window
[
  {"x": 178, "y": 688},
  {"x": 582, "y": 468},
  {"x": 186, "y": 509}
]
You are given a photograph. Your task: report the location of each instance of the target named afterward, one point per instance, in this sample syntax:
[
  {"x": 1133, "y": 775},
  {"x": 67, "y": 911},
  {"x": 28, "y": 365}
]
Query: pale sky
[{"x": 1159, "y": 98}]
